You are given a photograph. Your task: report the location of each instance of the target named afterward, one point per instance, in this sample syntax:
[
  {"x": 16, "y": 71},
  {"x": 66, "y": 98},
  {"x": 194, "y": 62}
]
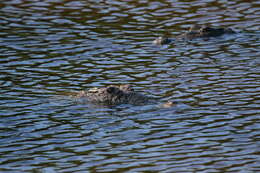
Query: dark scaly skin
[
  {"x": 196, "y": 31},
  {"x": 215, "y": 32},
  {"x": 115, "y": 95}
]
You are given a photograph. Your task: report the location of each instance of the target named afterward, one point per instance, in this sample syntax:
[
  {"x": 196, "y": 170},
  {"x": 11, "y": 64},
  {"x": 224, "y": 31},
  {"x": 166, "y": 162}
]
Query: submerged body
[
  {"x": 196, "y": 31},
  {"x": 116, "y": 95}
]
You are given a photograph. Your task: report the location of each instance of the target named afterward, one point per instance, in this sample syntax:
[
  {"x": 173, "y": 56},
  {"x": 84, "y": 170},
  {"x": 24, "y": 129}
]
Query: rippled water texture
[{"x": 50, "y": 48}]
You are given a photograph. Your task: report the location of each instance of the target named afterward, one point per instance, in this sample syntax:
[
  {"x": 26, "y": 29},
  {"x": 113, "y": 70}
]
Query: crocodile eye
[
  {"x": 111, "y": 89},
  {"x": 129, "y": 87}
]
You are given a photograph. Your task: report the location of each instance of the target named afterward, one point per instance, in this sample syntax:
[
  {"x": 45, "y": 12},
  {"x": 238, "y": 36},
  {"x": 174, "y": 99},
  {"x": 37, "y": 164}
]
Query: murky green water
[{"x": 52, "y": 47}]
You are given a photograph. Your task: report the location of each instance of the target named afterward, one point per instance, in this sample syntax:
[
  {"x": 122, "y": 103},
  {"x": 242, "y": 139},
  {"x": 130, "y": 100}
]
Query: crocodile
[
  {"x": 196, "y": 31},
  {"x": 113, "y": 95}
]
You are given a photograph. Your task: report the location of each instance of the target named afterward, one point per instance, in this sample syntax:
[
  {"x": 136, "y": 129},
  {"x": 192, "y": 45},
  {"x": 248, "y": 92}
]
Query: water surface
[{"x": 50, "y": 48}]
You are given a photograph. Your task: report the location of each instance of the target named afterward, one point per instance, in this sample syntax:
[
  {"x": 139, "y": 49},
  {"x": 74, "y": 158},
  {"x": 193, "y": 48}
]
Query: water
[{"x": 51, "y": 48}]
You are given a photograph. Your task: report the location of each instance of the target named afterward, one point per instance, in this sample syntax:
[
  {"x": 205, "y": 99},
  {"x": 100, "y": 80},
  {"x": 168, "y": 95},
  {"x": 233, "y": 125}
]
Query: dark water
[{"x": 52, "y": 47}]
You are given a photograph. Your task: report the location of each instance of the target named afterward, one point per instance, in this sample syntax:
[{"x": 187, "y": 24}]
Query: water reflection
[{"x": 49, "y": 48}]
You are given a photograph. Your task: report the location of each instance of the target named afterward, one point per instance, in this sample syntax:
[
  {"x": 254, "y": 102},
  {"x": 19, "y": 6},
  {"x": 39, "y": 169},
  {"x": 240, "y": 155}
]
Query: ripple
[{"x": 52, "y": 48}]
